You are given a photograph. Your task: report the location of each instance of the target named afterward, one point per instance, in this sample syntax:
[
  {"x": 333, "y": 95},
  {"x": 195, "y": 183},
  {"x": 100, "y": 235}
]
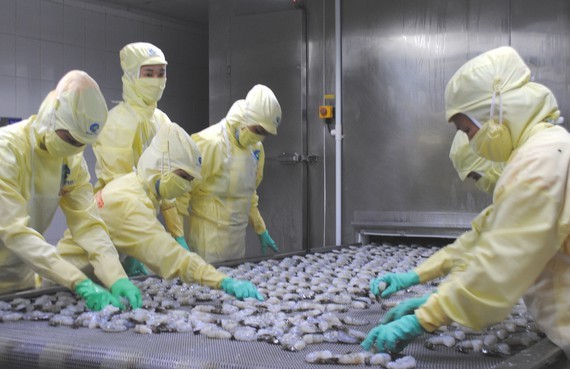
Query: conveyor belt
[
  {"x": 31, "y": 345},
  {"x": 26, "y": 344},
  {"x": 38, "y": 345}
]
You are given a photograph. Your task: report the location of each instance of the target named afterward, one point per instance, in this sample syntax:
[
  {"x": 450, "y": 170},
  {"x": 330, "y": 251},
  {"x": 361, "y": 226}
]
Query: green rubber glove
[
  {"x": 394, "y": 282},
  {"x": 95, "y": 296},
  {"x": 404, "y": 308},
  {"x": 133, "y": 267},
  {"x": 267, "y": 241},
  {"x": 125, "y": 288},
  {"x": 182, "y": 242},
  {"x": 240, "y": 289},
  {"x": 395, "y": 336}
]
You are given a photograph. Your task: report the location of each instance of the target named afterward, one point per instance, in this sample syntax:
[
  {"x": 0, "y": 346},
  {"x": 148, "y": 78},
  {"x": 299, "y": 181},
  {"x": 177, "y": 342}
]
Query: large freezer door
[{"x": 270, "y": 49}]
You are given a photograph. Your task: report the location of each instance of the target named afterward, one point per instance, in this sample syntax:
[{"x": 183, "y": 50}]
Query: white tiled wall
[{"x": 40, "y": 40}]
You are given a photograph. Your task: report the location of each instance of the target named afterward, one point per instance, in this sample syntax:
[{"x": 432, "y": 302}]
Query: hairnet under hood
[
  {"x": 76, "y": 105},
  {"x": 501, "y": 72},
  {"x": 170, "y": 149}
]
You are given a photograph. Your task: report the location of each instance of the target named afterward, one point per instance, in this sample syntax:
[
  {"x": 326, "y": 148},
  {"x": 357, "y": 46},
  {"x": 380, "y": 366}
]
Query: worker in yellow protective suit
[
  {"x": 167, "y": 169},
  {"x": 43, "y": 168},
  {"x": 132, "y": 124},
  {"x": 130, "y": 127},
  {"x": 521, "y": 245},
  {"x": 226, "y": 200},
  {"x": 485, "y": 173}
]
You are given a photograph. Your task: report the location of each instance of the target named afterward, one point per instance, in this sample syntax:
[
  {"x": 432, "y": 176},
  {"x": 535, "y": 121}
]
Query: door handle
[{"x": 287, "y": 158}]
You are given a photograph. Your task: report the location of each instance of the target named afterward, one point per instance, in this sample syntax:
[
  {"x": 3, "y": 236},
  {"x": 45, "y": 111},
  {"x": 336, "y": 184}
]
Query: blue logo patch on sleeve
[
  {"x": 94, "y": 128},
  {"x": 256, "y": 154},
  {"x": 65, "y": 172}
]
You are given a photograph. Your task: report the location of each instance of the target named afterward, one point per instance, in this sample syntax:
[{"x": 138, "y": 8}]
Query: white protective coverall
[
  {"x": 129, "y": 206},
  {"x": 226, "y": 200},
  {"x": 521, "y": 241},
  {"x": 33, "y": 183}
]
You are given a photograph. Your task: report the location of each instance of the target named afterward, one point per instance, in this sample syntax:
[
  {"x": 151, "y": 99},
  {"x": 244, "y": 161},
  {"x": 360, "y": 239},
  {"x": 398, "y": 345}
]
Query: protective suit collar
[{"x": 234, "y": 118}]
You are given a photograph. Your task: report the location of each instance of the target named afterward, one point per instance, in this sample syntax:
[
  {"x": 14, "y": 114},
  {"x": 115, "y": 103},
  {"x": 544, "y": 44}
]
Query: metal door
[{"x": 270, "y": 49}]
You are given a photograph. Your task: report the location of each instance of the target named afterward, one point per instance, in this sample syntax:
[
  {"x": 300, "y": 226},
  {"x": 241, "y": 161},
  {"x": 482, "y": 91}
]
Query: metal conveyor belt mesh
[{"x": 36, "y": 344}]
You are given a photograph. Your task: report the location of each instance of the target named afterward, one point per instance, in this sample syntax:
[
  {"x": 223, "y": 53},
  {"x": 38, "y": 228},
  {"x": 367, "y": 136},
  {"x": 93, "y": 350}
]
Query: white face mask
[
  {"x": 150, "y": 89},
  {"x": 58, "y": 148}
]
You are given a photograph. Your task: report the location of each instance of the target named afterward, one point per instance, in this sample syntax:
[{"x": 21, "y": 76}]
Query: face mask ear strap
[
  {"x": 500, "y": 108},
  {"x": 51, "y": 122},
  {"x": 496, "y": 90},
  {"x": 165, "y": 150}
]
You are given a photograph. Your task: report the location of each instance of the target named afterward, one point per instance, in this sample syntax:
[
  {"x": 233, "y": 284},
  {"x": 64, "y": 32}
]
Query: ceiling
[{"x": 194, "y": 11}]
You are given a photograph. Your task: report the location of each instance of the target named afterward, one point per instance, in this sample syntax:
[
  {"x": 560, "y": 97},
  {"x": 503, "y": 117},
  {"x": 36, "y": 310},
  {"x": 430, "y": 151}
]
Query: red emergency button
[{"x": 325, "y": 111}]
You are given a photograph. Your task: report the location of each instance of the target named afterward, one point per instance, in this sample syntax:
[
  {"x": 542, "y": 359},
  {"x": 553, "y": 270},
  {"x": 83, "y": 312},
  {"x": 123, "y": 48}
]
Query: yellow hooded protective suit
[
  {"x": 522, "y": 245},
  {"x": 226, "y": 199},
  {"x": 129, "y": 205},
  {"x": 133, "y": 123},
  {"x": 34, "y": 182}
]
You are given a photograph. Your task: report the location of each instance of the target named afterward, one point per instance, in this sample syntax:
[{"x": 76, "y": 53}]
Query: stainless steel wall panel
[
  {"x": 270, "y": 49},
  {"x": 320, "y": 82},
  {"x": 397, "y": 59},
  {"x": 541, "y": 34},
  {"x": 219, "y": 54}
]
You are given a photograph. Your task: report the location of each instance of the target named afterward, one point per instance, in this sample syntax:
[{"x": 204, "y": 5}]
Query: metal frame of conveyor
[{"x": 442, "y": 225}]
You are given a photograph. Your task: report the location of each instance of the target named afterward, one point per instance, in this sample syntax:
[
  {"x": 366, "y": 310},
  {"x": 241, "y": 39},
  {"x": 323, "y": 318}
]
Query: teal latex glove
[
  {"x": 95, "y": 296},
  {"x": 267, "y": 241},
  {"x": 182, "y": 242},
  {"x": 395, "y": 336},
  {"x": 133, "y": 267},
  {"x": 394, "y": 282},
  {"x": 125, "y": 288},
  {"x": 240, "y": 289},
  {"x": 404, "y": 308}
]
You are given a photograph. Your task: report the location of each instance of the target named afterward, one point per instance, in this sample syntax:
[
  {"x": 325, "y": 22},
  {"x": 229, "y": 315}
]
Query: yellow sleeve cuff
[
  {"x": 172, "y": 220},
  {"x": 430, "y": 315},
  {"x": 256, "y": 220},
  {"x": 435, "y": 266}
]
